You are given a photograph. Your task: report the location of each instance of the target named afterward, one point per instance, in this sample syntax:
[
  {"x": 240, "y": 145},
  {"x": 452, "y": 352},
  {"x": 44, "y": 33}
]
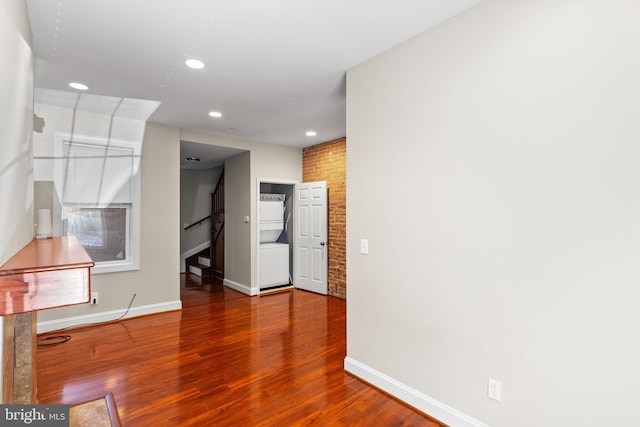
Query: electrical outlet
[
  {"x": 494, "y": 390},
  {"x": 94, "y": 298}
]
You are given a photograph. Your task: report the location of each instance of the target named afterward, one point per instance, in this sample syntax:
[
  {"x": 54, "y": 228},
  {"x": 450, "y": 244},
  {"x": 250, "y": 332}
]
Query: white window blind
[{"x": 99, "y": 175}]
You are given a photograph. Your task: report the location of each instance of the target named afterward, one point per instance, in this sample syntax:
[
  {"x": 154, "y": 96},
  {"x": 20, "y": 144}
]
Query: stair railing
[
  {"x": 197, "y": 222},
  {"x": 217, "y": 225}
]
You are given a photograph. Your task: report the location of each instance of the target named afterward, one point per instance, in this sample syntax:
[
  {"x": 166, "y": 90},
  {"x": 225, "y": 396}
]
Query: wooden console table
[{"x": 44, "y": 274}]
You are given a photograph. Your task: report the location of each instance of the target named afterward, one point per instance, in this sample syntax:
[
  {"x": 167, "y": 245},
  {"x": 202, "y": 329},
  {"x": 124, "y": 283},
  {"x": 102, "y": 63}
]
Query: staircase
[
  {"x": 200, "y": 264},
  {"x": 208, "y": 264}
]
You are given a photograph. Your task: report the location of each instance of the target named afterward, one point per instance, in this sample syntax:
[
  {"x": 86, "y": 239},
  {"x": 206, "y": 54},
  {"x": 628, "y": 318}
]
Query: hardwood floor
[{"x": 224, "y": 360}]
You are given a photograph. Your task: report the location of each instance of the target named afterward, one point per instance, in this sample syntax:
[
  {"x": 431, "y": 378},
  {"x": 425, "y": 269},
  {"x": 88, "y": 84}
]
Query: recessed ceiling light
[
  {"x": 215, "y": 114},
  {"x": 78, "y": 86},
  {"x": 311, "y": 133},
  {"x": 196, "y": 64}
]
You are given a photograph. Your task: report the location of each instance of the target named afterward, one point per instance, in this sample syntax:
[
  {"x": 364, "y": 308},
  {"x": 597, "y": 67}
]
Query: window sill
[{"x": 114, "y": 267}]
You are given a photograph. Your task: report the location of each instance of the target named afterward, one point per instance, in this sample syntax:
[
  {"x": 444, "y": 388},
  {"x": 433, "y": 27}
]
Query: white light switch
[
  {"x": 246, "y": 218},
  {"x": 364, "y": 246}
]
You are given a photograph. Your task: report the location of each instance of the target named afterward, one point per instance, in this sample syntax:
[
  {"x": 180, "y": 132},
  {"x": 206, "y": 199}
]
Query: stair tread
[{"x": 200, "y": 270}]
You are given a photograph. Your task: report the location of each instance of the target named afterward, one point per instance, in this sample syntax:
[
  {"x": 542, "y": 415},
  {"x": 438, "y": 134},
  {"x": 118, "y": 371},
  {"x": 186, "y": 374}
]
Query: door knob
[{"x": 322, "y": 243}]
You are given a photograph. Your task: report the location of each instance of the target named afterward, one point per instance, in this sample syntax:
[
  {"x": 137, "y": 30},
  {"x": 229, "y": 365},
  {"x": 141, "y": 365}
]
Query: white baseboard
[
  {"x": 106, "y": 316},
  {"x": 187, "y": 254},
  {"x": 241, "y": 288},
  {"x": 412, "y": 397}
]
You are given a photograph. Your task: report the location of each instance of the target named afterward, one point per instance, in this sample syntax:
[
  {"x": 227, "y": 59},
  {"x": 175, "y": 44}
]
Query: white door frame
[{"x": 256, "y": 222}]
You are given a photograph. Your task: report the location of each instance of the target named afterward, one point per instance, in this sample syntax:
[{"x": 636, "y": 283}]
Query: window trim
[{"x": 132, "y": 262}]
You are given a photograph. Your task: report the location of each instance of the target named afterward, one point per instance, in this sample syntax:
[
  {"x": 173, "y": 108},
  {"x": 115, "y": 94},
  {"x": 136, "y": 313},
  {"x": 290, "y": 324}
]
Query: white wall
[
  {"x": 506, "y": 240},
  {"x": 263, "y": 160},
  {"x": 237, "y": 204},
  {"x": 16, "y": 126}
]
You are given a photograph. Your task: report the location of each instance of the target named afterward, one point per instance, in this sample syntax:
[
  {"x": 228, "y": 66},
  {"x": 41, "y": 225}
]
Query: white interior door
[{"x": 310, "y": 260}]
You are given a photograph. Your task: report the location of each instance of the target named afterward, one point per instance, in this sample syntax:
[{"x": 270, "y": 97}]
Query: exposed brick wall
[{"x": 328, "y": 162}]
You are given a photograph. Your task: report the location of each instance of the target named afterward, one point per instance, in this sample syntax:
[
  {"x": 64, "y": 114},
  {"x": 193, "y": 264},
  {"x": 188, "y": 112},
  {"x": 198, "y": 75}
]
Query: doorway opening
[
  {"x": 275, "y": 234},
  {"x": 292, "y": 235},
  {"x": 202, "y": 220}
]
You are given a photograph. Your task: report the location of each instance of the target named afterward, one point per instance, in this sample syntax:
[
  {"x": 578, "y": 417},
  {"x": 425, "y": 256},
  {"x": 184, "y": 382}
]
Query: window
[
  {"x": 102, "y": 231},
  {"x": 99, "y": 186}
]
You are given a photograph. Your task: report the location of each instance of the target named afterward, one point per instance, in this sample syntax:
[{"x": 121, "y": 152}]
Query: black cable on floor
[{"x": 52, "y": 341}]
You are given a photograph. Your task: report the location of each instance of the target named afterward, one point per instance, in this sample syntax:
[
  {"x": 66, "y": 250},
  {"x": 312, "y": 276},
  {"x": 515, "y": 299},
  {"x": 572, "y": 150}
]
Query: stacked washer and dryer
[{"x": 274, "y": 253}]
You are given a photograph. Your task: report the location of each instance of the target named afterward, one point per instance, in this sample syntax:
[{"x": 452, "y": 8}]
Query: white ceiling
[{"x": 275, "y": 69}]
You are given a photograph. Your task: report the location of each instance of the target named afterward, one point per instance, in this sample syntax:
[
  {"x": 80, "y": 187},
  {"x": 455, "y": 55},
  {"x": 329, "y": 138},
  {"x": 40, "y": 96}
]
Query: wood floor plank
[{"x": 224, "y": 360}]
